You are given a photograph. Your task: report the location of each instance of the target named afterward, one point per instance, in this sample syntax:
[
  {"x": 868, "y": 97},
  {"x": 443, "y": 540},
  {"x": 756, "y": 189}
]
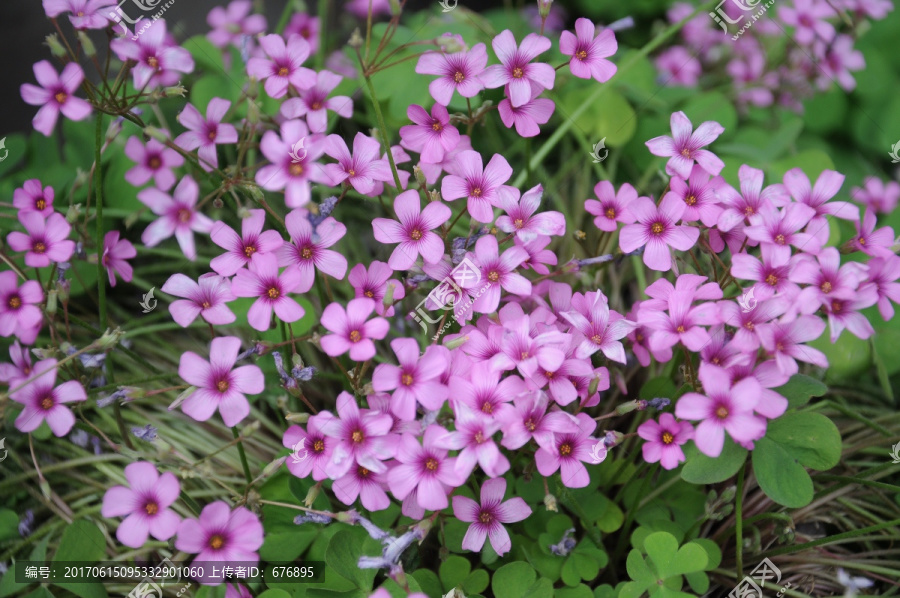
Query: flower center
[
  {"x": 686, "y": 153},
  {"x": 749, "y": 211},
  {"x": 47, "y": 403},
  {"x": 597, "y": 339},
  {"x": 222, "y": 385},
  {"x": 273, "y": 293},
  {"x": 184, "y": 215},
  {"x": 153, "y": 61},
  {"x": 283, "y": 71},
  {"x": 657, "y": 228},
  {"x": 306, "y": 253},
  {"x": 779, "y": 346},
  {"x": 357, "y": 436},
  {"x": 486, "y": 407},
  {"x": 205, "y": 305},
  {"x": 691, "y": 200},
  {"x": 151, "y": 508},
  {"x": 779, "y": 239},
  {"x": 436, "y": 126},
  {"x": 549, "y": 375},
  {"x": 431, "y": 464},
  {"x": 15, "y": 302},
  {"x": 363, "y": 472},
  {"x": 610, "y": 213},
  {"x": 316, "y": 105},
  {"x": 318, "y": 446},
  {"x": 479, "y": 437},
  {"x": 458, "y": 76},
  {"x": 667, "y": 438},
  {"x": 493, "y": 276},
  {"x": 529, "y": 425},
  {"x": 369, "y": 294},
  {"x": 61, "y": 97},
  {"x": 295, "y": 169},
  {"x": 216, "y": 542},
  {"x": 581, "y": 55},
  {"x": 565, "y": 449},
  {"x": 416, "y": 234},
  {"x": 485, "y": 518},
  {"x": 211, "y": 135},
  {"x": 836, "y": 306},
  {"x": 749, "y": 326},
  {"x": 249, "y": 250},
  {"x": 351, "y": 172},
  {"x": 680, "y": 329},
  {"x": 722, "y": 412},
  {"x": 771, "y": 280},
  {"x": 39, "y": 247},
  {"x": 826, "y": 287},
  {"x": 862, "y": 241},
  {"x": 154, "y": 163},
  {"x": 355, "y": 336},
  {"x": 519, "y": 223},
  {"x": 476, "y": 192},
  {"x": 406, "y": 379},
  {"x": 40, "y": 204},
  {"x": 518, "y": 73}
]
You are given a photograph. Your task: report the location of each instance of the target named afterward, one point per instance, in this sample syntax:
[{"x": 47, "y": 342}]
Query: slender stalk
[
  {"x": 829, "y": 539},
  {"x": 382, "y": 129},
  {"x": 244, "y": 464},
  {"x": 98, "y": 186},
  {"x": 739, "y": 523}
]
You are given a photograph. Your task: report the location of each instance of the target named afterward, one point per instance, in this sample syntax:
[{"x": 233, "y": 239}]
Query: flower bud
[
  {"x": 459, "y": 341},
  {"x": 109, "y": 339},
  {"x": 544, "y": 8},
  {"x": 253, "y": 191},
  {"x": 56, "y": 48},
  {"x": 434, "y": 195},
  {"x": 395, "y": 7},
  {"x": 273, "y": 467},
  {"x": 420, "y": 176},
  {"x": 89, "y": 50},
  {"x": 451, "y": 44},
  {"x": 155, "y": 133},
  {"x": 626, "y": 407},
  {"x": 297, "y": 418},
  {"x": 253, "y": 113},
  {"x": 388, "y": 296},
  {"x": 175, "y": 92},
  {"x": 73, "y": 214},
  {"x": 51, "y": 303},
  {"x": 550, "y": 503},
  {"x": 356, "y": 39},
  {"x": 182, "y": 396}
]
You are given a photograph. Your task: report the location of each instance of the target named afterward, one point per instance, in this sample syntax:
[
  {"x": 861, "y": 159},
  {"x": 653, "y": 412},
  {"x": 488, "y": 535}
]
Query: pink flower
[
  {"x": 32, "y": 196},
  {"x": 779, "y": 229},
  {"x": 699, "y": 196},
  {"x": 516, "y": 68},
  {"x": 817, "y": 197},
  {"x": 307, "y": 250},
  {"x": 837, "y": 59},
  {"x": 230, "y": 24},
  {"x": 883, "y": 273},
  {"x": 262, "y": 280},
  {"x": 828, "y": 280},
  {"x": 314, "y": 102},
  {"x": 602, "y": 332},
  {"x": 207, "y": 298},
  {"x": 753, "y": 199},
  {"x": 240, "y": 248},
  {"x": 530, "y": 420},
  {"x": 656, "y": 230},
  {"x": 479, "y": 184},
  {"x": 497, "y": 272},
  {"x": 115, "y": 253},
  {"x": 368, "y": 486},
  {"x": 177, "y": 216},
  {"x": 292, "y": 169},
  {"x": 312, "y": 447},
  {"x": 362, "y": 168},
  {"x": 482, "y": 390},
  {"x": 283, "y": 67},
  {"x": 683, "y": 148},
  {"x": 362, "y": 438},
  {"x": 520, "y": 217},
  {"x": 845, "y": 314},
  {"x": 664, "y": 440},
  {"x": 807, "y": 17},
  {"x": 566, "y": 452},
  {"x": 145, "y": 505},
  {"x": 374, "y": 285},
  {"x": 473, "y": 438},
  {"x": 432, "y": 135},
  {"x": 538, "y": 256},
  {"x": 724, "y": 408},
  {"x": 683, "y": 323},
  {"x": 460, "y": 72},
  {"x": 85, "y": 14},
  {"x": 220, "y": 385},
  {"x": 773, "y": 275},
  {"x": 160, "y": 62},
  {"x": 870, "y": 241},
  {"x": 206, "y": 133},
  {"x": 307, "y": 27},
  {"x": 424, "y": 470},
  {"x": 679, "y": 66},
  {"x": 876, "y": 194},
  {"x": 351, "y": 331},
  {"x": 414, "y": 380},
  {"x": 46, "y": 240},
  {"x": 19, "y": 311},
  {"x": 746, "y": 338},
  {"x": 527, "y": 117},
  {"x": 44, "y": 401},
  {"x": 487, "y": 519},
  {"x": 55, "y": 95},
  {"x": 20, "y": 369},
  {"x": 612, "y": 207},
  {"x": 784, "y": 340},
  {"x": 589, "y": 53},
  {"x": 414, "y": 232},
  {"x": 220, "y": 536},
  {"x": 153, "y": 160}
]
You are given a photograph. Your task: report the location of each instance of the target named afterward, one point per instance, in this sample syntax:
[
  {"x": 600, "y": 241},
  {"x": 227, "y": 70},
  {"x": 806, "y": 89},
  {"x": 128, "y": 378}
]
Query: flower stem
[
  {"x": 244, "y": 464},
  {"x": 739, "y": 524},
  {"x": 382, "y": 130},
  {"x": 98, "y": 186}
]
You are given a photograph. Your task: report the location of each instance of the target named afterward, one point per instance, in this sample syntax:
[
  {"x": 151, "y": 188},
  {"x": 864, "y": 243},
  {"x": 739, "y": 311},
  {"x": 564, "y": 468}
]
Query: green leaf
[
  {"x": 477, "y": 582},
  {"x": 690, "y": 558},
  {"x": 812, "y": 162},
  {"x": 428, "y": 581},
  {"x": 713, "y": 552},
  {"x": 661, "y": 387},
  {"x": 661, "y": 547},
  {"x": 810, "y": 438},
  {"x": 698, "y": 581},
  {"x": 81, "y": 541},
  {"x": 800, "y": 389},
  {"x": 610, "y": 117},
  {"x": 569, "y": 574},
  {"x": 579, "y": 591},
  {"x": 9, "y": 525},
  {"x": 274, "y": 594},
  {"x": 712, "y": 106},
  {"x": 701, "y": 469},
  {"x": 780, "y": 476},
  {"x": 343, "y": 554},
  {"x": 513, "y": 580},
  {"x": 542, "y": 588},
  {"x": 637, "y": 568},
  {"x": 285, "y": 546},
  {"x": 454, "y": 571}
]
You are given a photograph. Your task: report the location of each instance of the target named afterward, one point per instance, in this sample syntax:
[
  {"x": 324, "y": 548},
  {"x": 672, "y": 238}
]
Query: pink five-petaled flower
[
  {"x": 656, "y": 228},
  {"x": 487, "y": 518},
  {"x": 520, "y": 217},
  {"x": 425, "y": 469},
  {"x": 240, "y": 248},
  {"x": 516, "y": 68},
  {"x": 664, "y": 440},
  {"x": 683, "y": 148},
  {"x": 780, "y": 230},
  {"x": 725, "y": 407},
  {"x": 115, "y": 253},
  {"x": 362, "y": 168},
  {"x": 292, "y": 169},
  {"x": 753, "y": 198},
  {"x": 611, "y": 208},
  {"x": 473, "y": 438},
  {"x": 817, "y": 197},
  {"x": 373, "y": 283},
  {"x": 153, "y": 160},
  {"x": 784, "y": 341},
  {"x": 206, "y": 133},
  {"x": 566, "y": 451},
  {"x": 221, "y": 535},
  {"x": 314, "y": 102},
  {"x": 55, "y": 95},
  {"x": 230, "y": 24},
  {"x": 160, "y": 61},
  {"x": 44, "y": 401},
  {"x": 414, "y": 231},
  {"x": 19, "y": 311},
  {"x": 460, "y": 72},
  {"x": 529, "y": 419},
  {"x": 350, "y": 331},
  {"x": 311, "y": 448},
  {"x": 85, "y": 14},
  {"x": 177, "y": 215},
  {"x": 219, "y": 384},
  {"x": 20, "y": 369},
  {"x": 808, "y": 18},
  {"x": 145, "y": 505},
  {"x": 870, "y": 241},
  {"x": 362, "y": 438},
  {"x": 699, "y": 196},
  {"x": 883, "y": 274},
  {"x": 33, "y": 197},
  {"x": 262, "y": 280},
  {"x": 283, "y": 66},
  {"x": 306, "y": 252},
  {"x": 527, "y": 117},
  {"x": 589, "y": 53},
  {"x": 432, "y": 136},
  {"x": 46, "y": 240},
  {"x": 206, "y": 298},
  {"x": 415, "y": 379},
  {"x": 479, "y": 184},
  {"x": 497, "y": 272}
]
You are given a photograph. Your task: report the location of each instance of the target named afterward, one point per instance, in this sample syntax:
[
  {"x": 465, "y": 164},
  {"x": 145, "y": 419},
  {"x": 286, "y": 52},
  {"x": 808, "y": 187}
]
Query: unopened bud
[
  {"x": 626, "y": 407},
  {"x": 250, "y": 429},
  {"x": 109, "y": 339},
  {"x": 175, "y": 92},
  {"x": 156, "y": 133},
  {"x": 580, "y": 235},
  {"x": 592, "y": 387},
  {"x": 253, "y": 114},
  {"x": 612, "y": 438},
  {"x": 451, "y": 44},
  {"x": 550, "y": 503},
  {"x": 544, "y": 7},
  {"x": 51, "y": 303},
  {"x": 297, "y": 418},
  {"x": 457, "y": 342},
  {"x": 113, "y": 130},
  {"x": 45, "y": 488},
  {"x": 73, "y": 214},
  {"x": 254, "y": 192},
  {"x": 356, "y": 39},
  {"x": 395, "y": 8},
  {"x": 182, "y": 396},
  {"x": 296, "y": 360},
  {"x": 273, "y": 467},
  {"x": 420, "y": 176},
  {"x": 434, "y": 195},
  {"x": 89, "y": 50},
  {"x": 728, "y": 494},
  {"x": 388, "y": 296},
  {"x": 218, "y": 203},
  {"x": 312, "y": 495},
  {"x": 56, "y": 48}
]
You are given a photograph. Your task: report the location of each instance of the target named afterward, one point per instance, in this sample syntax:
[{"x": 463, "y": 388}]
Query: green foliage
[{"x": 660, "y": 572}]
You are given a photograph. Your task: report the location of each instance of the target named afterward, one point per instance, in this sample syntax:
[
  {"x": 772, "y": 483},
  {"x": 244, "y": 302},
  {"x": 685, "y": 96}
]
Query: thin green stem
[
  {"x": 739, "y": 523},
  {"x": 98, "y": 186},
  {"x": 382, "y": 130},
  {"x": 244, "y": 464},
  {"x": 829, "y": 539}
]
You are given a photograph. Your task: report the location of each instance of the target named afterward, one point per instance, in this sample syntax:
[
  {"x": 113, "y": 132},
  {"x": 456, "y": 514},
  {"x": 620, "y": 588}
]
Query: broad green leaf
[
  {"x": 454, "y": 571},
  {"x": 579, "y": 591},
  {"x": 812, "y": 162},
  {"x": 810, "y": 438},
  {"x": 700, "y": 469},
  {"x": 81, "y": 541},
  {"x": 713, "y": 552},
  {"x": 274, "y": 594},
  {"x": 661, "y": 387},
  {"x": 9, "y": 525},
  {"x": 661, "y": 547},
  {"x": 285, "y": 546},
  {"x": 343, "y": 554},
  {"x": 780, "y": 476},
  {"x": 712, "y": 106},
  {"x": 690, "y": 558},
  {"x": 847, "y": 358},
  {"x": 542, "y": 588},
  {"x": 513, "y": 580},
  {"x": 428, "y": 581},
  {"x": 698, "y": 581},
  {"x": 637, "y": 568},
  {"x": 477, "y": 582},
  {"x": 800, "y": 389}
]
